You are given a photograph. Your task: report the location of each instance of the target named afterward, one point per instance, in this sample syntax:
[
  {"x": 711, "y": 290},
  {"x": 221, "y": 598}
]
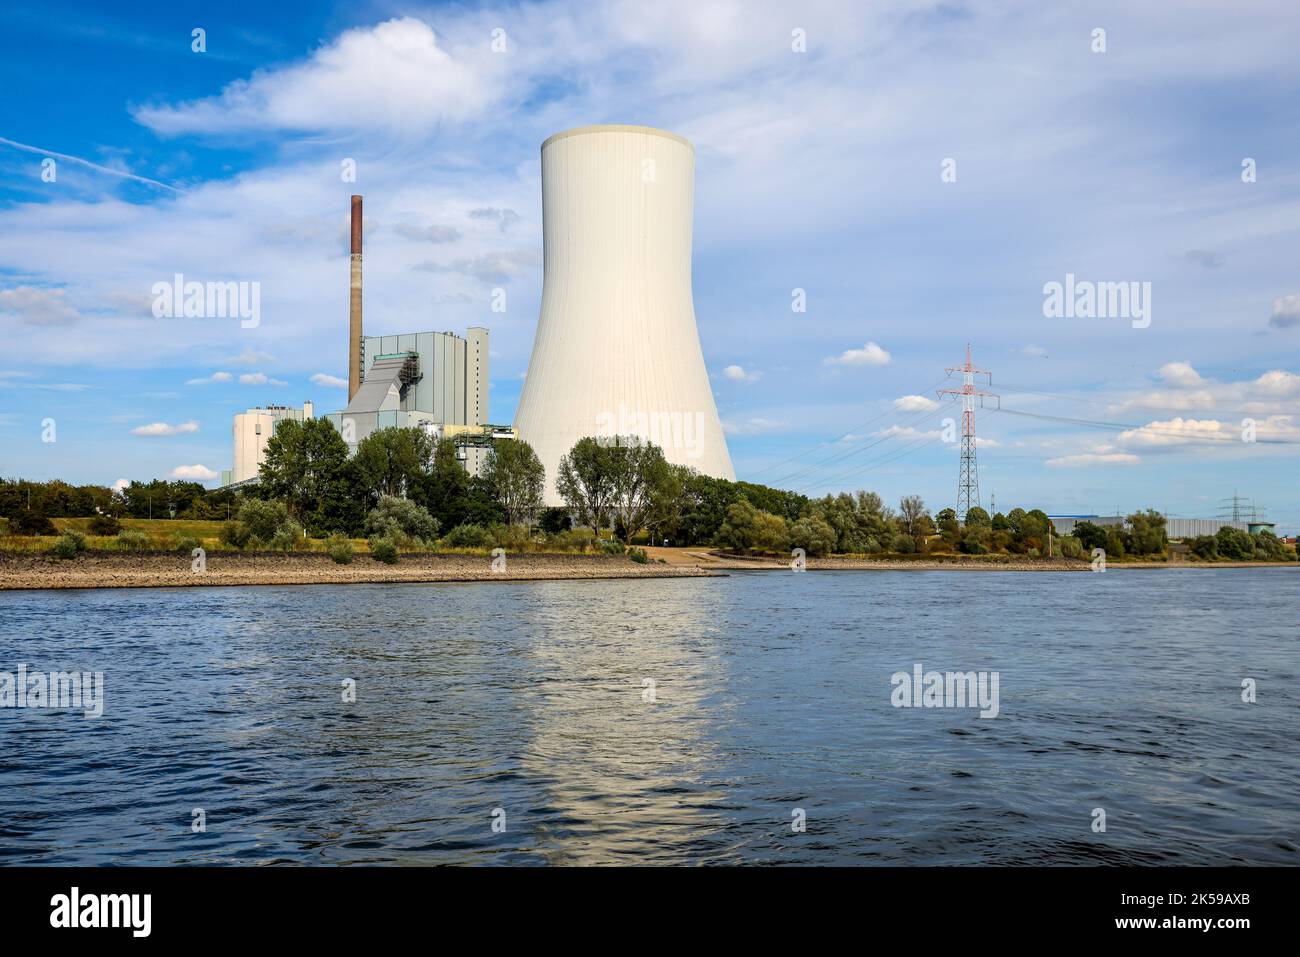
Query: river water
[{"x": 745, "y": 719}]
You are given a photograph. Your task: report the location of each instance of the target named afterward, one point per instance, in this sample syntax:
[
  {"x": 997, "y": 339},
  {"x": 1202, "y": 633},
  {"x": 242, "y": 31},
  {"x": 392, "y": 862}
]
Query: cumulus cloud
[
  {"x": 251, "y": 357},
  {"x": 869, "y": 355},
  {"x": 329, "y": 381},
  {"x": 163, "y": 428},
  {"x": 1092, "y": 460},
  {"x": 504, "y": 218},
  {"x": 395, "y": 76},
  {"x": 1286, "y": 312},
  {"x": 1178, "y": 431},
  {"x": 915, "y": 403},
  {"x": 194, "y": 473},
  {"x": 37, "y": 306},
  {"x": 215, "y": 377},
  {"x": 1180, "y": 374},
  {"x": 738, "y": 374},
  {"x": 259, "y": 378}
]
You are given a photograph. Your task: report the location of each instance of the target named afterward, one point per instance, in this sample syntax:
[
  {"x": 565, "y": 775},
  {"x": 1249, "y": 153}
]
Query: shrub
[
  {"x": 287, "y": 537},
  {"x": 638, "y": 555},
  {"x": 554, "y": 520},
  {"x": 469, "y": 536},
  {"x": 67, "y": 546},
  {"x": 340, "y": 549},
  {"x": 104, "y": 525},
  {"x": 903, "y": 543},
  {"x": 814, "y": 535},
  {"x": 185, "y": 543},
  {"x": 234, "y": 534},
  {"x": 401, "y": 520},
  {"x": 513, "y": 538},
  {"x": 254, "y": 544},
  {"x": 611, "y": 546},
  {"x": 383, "y": 550},
  {"x": 263, "y": 519},
  {"x": 1071, "y": 547},
  {"x": 29, "y": 522},
  {"x": 133, "y": 540}
]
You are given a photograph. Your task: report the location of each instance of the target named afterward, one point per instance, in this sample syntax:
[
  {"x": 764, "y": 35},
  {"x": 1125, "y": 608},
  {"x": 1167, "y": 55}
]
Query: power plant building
[
  {"x": 617, "y": 352},
  {"x": 417, "y": 379},
  {"x": 252, "y": 430}
]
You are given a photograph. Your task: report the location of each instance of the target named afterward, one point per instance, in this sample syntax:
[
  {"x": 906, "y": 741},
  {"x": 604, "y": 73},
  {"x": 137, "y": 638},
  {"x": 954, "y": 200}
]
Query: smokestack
[{"x": 354, "y": 304}]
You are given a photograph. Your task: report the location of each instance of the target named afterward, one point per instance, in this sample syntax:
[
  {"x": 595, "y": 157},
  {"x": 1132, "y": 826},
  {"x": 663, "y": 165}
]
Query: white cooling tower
[{"x": 617, "y": 352}]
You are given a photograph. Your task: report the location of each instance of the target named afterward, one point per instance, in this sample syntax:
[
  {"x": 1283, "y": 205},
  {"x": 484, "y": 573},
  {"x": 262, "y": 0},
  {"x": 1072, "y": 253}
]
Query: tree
[
  {"x": 585, "y": 480},
  {"x": 391, "y": 461},
  {"x": 639, "y": 471},
  {"x": 914, "y": 520},
  {"x": 814, "y": 535},
  {"x": 949, "y": 527},
  {"x": 401, "y": 520},
  {"x": 977, "y": 516},
  {"x": 516, "y": 477},
  {"x": 666, "y": 500},
  {"x": 1146, "y": 533},
  {"x": 1090, "y": 536},
  {"x": 444, "y": 488},
  {"x": 304, "y": 466}
]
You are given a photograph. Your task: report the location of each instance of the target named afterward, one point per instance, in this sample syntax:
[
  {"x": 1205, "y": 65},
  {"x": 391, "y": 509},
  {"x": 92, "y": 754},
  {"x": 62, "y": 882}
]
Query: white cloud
[
  {"x": 163, "y": 428},
  {"x": 396, "y": 76},
  {"x": 329, "y": 381},
  {"x": 251, "y": 357},
  {"x": 259, "y": 378},
  {"x": 1034, "y": 352},
  {"x": 35, "y": 306},
  {"x": 869, "y": 355},
  {"x": 1180, "y": 374},
  {"x": 215, "y": 377},
  {"x": 121, "y": 484},
  {"x": 915, "y": 403},
  {"x": 195, "y": 473},
  {"x": 1278, "y": 383},
  {"x": 738, "y": 374},
  {"x": 1093, "y": 459},
  {"x": 1177, "y": 431},
  {"x": 1286, "y": 312}
]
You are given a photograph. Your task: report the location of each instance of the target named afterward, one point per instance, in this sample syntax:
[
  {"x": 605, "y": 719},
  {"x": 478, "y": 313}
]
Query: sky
[{"x": 917, "y": 173}]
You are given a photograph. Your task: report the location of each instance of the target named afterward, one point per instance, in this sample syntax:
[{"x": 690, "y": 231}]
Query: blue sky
[{"x": 817, "y": 170}]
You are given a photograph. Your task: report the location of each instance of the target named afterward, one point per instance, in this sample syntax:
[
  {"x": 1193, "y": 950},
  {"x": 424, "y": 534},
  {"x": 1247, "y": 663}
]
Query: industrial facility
[
  {"x": 253, "y": 429},
  {"x": 617, "y": 352},
  {"x": 1176, "y": 528}
]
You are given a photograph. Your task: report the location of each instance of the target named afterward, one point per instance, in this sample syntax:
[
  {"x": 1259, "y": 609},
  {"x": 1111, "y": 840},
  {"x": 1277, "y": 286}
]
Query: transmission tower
[{"x": 968, "y": 480}]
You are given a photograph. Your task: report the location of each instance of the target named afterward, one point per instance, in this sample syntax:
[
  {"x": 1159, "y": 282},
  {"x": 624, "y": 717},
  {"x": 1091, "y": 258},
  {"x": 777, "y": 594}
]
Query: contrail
[{"x": 88, "y": 163}]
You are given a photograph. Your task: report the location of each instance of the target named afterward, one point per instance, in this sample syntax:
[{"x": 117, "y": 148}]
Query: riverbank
[
  {"x": 706, "y": 559},
  {"x": 172, "y": 569}
]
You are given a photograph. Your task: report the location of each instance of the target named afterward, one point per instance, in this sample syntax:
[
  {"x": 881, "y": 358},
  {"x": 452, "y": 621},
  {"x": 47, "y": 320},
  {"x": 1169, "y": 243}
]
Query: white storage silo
[{"x": 617, "y": 351}]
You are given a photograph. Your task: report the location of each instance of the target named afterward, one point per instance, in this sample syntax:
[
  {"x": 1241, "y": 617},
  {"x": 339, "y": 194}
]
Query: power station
[{"x": 617, "y": 352}]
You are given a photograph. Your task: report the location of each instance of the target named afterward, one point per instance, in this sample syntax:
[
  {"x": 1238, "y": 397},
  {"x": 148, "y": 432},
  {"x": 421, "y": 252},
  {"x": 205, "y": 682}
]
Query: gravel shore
[{"x": 172, "y": 569}]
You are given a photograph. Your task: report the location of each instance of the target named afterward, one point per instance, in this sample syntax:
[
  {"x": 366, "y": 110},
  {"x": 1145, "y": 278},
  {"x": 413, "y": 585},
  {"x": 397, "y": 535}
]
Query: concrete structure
[
  {"x": 418, "y": 379},
  {"x": 1175, "y": 528},
  {"x": 617, "y": 351},
  {"x": 253, "y": 429},
  {"x": 354, "y": 304}
]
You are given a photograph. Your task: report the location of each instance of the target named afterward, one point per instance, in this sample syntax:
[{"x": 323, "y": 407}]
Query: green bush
[
  {"x": 286, "y": 538},
  {"x": 234, "y": 534},
  {"x": 469, "y": 536},
  {"x": 1071, "y": 547},
  {"x": 133, "y": 540},
  {"x": 638, "y": 555},
  {"x": 185, "y": 543},
  {"x": 401, "y": 520},
  {"x": 905, "y": 544},
  {"x": 263, "y": 519},
  {"x": 611, "y": 546},
  {"x": 30, "y": 522},
  {"x": 340, "y": 549},
  {"x": 383, "y": 550},
  {"x": 254, "y": 544},
  {"x": 104, "y": 526},
  {"x": 814, "y": 535},
  {"x": 67, "y": 546},
  {"x": 513, "y": 538}
]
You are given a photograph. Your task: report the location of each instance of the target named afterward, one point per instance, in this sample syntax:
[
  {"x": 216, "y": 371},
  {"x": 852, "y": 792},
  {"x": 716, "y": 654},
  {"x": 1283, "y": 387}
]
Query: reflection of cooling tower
[{"x": 617, "y": 352}]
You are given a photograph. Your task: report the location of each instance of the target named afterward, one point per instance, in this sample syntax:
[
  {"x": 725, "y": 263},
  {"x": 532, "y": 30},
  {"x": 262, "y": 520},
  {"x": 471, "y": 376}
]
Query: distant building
[
  {"x": 1175, "y": 528},
  {"x": 418, "y": 379},
  {"x": 253, "y": 429}
]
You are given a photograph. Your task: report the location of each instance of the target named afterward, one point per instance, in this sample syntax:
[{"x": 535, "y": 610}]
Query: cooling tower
[{"x": 617, "y": 352}]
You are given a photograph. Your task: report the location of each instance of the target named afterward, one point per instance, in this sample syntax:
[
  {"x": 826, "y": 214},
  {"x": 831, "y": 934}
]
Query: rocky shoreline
[{"x": 112, "y": 569}]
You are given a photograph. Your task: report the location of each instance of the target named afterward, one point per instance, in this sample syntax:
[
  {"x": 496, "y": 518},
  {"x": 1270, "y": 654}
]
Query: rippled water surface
[{"x": 1120, "y": 691}]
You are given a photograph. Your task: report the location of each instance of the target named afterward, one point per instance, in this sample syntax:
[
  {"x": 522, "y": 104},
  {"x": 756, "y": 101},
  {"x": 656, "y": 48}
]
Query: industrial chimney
[
  {"x": 354, "y": 304},
  {"x": 617, "y": 352}
]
